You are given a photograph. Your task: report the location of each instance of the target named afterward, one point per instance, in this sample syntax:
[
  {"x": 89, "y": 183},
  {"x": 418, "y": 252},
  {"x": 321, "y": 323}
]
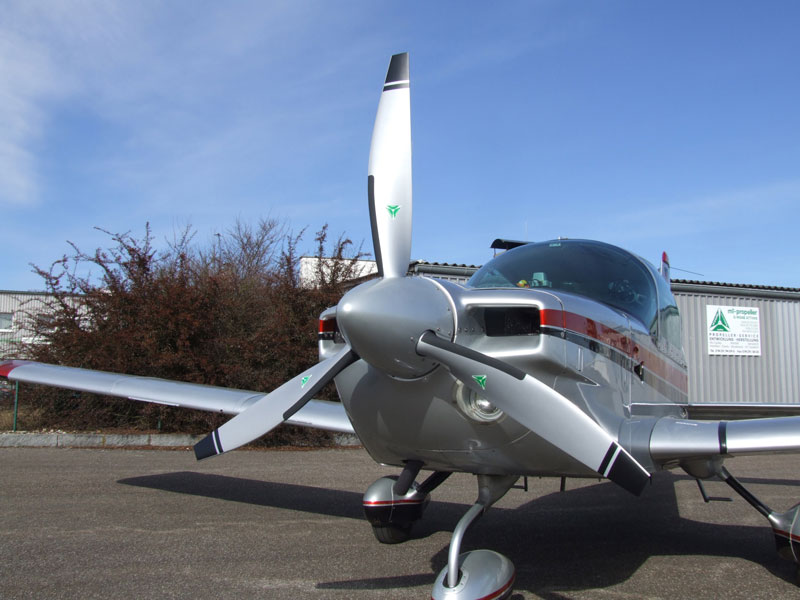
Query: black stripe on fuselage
[
  {"x": 623, "y": 360},
  {"x": 609, "y": 352}
]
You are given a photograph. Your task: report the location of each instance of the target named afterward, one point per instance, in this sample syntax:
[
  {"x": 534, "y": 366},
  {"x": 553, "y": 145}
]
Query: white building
[{"x": 18, "y": 312}]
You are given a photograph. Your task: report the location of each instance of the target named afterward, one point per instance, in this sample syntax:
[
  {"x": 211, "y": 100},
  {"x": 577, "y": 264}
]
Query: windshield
[{"x": 596, "y": 270}]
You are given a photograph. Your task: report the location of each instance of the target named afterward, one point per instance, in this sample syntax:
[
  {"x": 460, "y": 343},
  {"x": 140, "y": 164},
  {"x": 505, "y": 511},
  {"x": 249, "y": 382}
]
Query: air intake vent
[{"x": 511, "y": 320}]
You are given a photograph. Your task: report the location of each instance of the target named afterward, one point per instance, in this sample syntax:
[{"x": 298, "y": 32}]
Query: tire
[{"x": 391, "y": 534}]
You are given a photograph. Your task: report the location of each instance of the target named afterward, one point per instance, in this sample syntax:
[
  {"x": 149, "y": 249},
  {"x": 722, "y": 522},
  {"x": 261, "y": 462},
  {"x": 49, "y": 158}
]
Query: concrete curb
[
  {"x": 95, "y": 440},
  {"x": 100, "y": 440}
]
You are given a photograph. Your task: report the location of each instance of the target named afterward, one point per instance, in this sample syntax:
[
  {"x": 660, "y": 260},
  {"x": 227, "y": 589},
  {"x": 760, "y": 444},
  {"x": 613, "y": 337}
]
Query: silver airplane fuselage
[{"x": 601, "y": 358}]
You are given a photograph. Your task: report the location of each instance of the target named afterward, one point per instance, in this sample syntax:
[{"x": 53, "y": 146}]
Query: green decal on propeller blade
[
  {"x": 304, "y": 381},
  {"x": 393, "y": 210},
  {"x": 480, "y": 380}
]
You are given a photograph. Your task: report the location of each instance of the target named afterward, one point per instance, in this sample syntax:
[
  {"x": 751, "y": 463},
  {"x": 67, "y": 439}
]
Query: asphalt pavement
[{"x": 103, "y": 523}]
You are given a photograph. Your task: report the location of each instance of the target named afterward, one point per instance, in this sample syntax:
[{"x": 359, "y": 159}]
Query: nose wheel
[{"x": 479, "y": 574}]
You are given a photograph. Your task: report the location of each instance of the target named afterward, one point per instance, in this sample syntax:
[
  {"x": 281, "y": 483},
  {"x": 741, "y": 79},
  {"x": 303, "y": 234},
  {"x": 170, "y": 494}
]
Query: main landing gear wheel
[
  {"x": 391, "y": 514},
  {"x": 391, "y": 534},
  {"x": 393, "y": 504},
  {"x": 483, "y": 574}
]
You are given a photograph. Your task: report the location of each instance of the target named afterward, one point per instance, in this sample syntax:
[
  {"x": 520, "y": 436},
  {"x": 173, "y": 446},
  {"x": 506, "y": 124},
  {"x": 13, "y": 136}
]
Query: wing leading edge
[
  {"x": 319, "y": 414},
  {"x": 684, "y": 439}
]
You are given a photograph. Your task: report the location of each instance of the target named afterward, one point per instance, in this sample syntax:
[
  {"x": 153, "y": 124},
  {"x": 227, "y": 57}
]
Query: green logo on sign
[
  {"x": 720, "y": 323},
  {"x": 480, "y": 380},
  {"x": 304, "y": 381},
  {"x": 393, "y": 210}
]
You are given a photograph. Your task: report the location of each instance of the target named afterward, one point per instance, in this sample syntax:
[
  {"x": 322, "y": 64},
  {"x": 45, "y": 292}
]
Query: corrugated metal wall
[{"x": 772, "y": 378}]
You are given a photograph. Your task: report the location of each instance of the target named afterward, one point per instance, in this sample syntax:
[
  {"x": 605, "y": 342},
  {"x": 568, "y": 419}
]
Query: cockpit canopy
[{"x": 596, "y": 270}]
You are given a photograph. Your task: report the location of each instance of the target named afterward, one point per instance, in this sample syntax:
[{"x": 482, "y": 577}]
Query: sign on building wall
[{"x": 733, "y": 330}]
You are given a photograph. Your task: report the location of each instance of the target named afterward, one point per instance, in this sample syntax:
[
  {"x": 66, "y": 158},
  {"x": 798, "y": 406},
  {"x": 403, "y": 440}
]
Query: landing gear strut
[
  {"x": 785, "y": 526},
  {"x": 479, "y": 573}
]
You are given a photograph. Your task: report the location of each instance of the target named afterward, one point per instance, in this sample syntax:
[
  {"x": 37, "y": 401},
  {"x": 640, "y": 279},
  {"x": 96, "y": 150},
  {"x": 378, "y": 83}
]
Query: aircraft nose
[{"x": 383, "y": 319}]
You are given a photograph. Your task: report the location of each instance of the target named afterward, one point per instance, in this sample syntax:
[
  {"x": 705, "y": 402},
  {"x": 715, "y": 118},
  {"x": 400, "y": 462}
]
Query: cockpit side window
[
  {"x": 668, "y": 315},
  {"x": 595, "y": 270}
]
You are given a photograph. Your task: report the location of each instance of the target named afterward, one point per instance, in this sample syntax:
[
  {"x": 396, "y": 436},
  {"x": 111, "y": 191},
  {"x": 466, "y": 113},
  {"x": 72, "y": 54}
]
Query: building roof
[
  {"x": 748, "y": 286},
  {"x": 442, "y": 264}
]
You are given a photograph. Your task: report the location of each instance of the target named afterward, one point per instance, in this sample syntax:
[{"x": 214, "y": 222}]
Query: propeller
[
  {"x": 540, "y": 408},
  {"x": 389, "y": 191},
  {"x": 390, "y": 323},
  {"x": 389, "y": 181},
  {"x": 274, "y": 408}
]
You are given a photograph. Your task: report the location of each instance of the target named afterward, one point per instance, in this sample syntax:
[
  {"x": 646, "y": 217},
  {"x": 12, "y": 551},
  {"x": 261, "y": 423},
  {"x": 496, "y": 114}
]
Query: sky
[{"x": 650, "y": 125}]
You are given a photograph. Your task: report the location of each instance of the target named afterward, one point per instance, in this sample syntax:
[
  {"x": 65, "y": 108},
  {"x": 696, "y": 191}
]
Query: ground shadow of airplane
[{"x": 591, "y": 537}]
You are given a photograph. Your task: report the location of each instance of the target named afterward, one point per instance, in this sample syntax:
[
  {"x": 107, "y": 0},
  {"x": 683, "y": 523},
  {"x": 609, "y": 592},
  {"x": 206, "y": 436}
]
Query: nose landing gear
[
  {"x": 479, "y": 574},
  {"x": 393, "y": 504}
]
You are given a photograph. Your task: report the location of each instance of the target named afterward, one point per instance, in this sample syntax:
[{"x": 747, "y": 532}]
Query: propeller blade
[
  {"x": 274, "y": 408},
  {"x": 540, "y": 408},
  {"x": 389, "y": 182}
]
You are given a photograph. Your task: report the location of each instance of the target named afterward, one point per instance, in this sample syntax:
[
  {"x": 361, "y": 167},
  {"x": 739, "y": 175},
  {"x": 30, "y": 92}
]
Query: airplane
[{"x": 560, "y": 358}]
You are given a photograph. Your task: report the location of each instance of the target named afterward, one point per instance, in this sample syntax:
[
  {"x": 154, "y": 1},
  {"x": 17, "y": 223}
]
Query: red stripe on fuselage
[
  {"x": 598, "y": 331},
  {"x": 668, "y": 372},
  {"x": 619, "y": 341}
]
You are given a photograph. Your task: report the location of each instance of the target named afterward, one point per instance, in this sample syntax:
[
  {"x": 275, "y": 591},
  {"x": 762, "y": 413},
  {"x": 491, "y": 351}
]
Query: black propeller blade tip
[
  {"x": 627, "y": 473},
  {"x": 205, "y": 447},
  {"x": 398, "y": 69}
]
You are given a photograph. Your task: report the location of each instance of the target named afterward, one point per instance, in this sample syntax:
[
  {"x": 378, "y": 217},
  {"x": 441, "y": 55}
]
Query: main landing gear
[
  {"x": 785, "y": 525},
  {"x": 393, "y": 504}
]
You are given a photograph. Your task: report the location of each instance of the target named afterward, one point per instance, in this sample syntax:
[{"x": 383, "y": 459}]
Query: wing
[
  {"x": 319, "y": 414},
  {"x": 679, "y": 440}
]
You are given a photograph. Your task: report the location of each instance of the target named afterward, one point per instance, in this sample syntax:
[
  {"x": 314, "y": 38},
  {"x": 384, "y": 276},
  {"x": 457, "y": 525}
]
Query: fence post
[{"x": 16, "y": 404}]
